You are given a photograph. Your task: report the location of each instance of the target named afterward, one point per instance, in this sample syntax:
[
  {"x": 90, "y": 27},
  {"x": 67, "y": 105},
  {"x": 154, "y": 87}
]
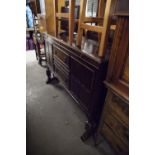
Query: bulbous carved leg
[
  {"x": 89, "y": 131},
  {"x": 48, "y": 73}
]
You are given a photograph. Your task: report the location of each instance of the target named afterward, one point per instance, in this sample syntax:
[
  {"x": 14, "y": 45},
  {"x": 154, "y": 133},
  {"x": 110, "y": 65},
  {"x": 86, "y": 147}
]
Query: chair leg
[
  {"x": 81, "y": 20},
  {"x": 71, "y": 20}
]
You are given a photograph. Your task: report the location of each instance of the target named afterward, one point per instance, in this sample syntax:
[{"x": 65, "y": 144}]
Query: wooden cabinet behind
[{"x": 114, "y": 124}]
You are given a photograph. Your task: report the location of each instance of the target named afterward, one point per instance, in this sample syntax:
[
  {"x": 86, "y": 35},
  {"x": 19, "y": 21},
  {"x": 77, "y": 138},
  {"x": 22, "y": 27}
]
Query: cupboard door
[
  {"x": 83, "y": 73},
  {"x": 80, "y": 92}
]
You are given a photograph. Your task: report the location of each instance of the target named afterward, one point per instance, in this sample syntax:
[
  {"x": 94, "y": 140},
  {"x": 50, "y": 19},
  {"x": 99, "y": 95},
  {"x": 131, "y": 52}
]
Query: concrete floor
[{"x": 54, "y": 121}]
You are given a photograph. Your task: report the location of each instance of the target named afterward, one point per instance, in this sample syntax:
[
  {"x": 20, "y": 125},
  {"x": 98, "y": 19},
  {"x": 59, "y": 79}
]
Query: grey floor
[{"x": 54, "y": 121}]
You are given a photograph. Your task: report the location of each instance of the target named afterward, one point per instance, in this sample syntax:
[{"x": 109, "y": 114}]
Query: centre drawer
[
  {"x": 63, "y": 75},
  {"x": 61, "y": 55}
]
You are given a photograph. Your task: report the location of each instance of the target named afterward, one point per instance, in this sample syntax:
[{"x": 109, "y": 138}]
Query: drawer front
[
  {"x": 118, "y": 108},
  {"x": 63, "y": 76},
  {"x": 117, "y": 128},
  {"x": 116, "y": 143},
  {"x": 61, "y": 55},
  {"x": 61, "y": 65}
]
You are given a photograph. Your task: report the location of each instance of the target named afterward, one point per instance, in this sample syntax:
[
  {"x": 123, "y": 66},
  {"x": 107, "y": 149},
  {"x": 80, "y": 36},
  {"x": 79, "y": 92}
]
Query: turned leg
[
  {"x": 48, "y": 73},
  {"x": 89, "y": 131}
]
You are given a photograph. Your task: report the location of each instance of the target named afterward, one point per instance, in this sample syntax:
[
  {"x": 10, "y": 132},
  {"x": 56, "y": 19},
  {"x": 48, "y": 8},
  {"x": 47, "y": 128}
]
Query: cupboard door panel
[
  {"x": 80, "y": 92},
  {"x": 85, "y": 96},
  {"x": 83, "y": 73}
]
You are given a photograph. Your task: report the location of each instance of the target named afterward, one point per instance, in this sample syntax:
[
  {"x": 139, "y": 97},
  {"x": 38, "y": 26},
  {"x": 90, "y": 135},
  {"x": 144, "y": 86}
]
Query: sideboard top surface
[{"x": 74, "y": 49}]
